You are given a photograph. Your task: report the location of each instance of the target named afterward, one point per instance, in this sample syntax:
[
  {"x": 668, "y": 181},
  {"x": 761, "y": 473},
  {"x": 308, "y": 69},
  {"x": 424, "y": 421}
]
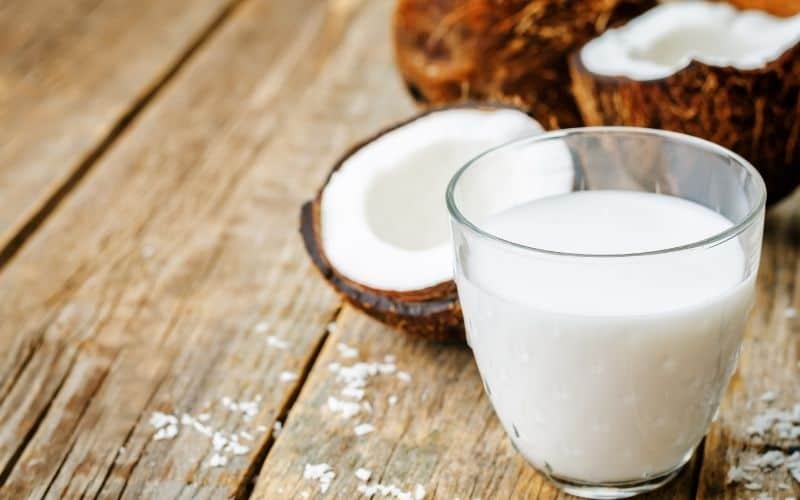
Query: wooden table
[{"x": 154, "y": 157}]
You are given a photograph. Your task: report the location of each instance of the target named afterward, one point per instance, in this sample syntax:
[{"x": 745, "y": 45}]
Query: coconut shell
[
  {"x": 755, "y": 113},
  {"x": 776, "y": 7},
  {"x": 433, "y": 312},
  {"x": 512, "y": 51}
]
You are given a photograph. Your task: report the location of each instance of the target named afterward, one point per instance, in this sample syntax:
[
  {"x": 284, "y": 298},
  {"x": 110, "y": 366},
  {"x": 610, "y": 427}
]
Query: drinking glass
[{"x": 606, "y": 369}]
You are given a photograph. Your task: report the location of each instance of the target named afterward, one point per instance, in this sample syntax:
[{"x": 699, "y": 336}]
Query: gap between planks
[
  {"x": 338, "y": 19},
  {"x": 247, "y": 486},
  {"x": 697, "y": 468},
  {"x": 39, "y": 419},
  {"x": 29, "y": 223},
  {"x": 16, "y": 236}
]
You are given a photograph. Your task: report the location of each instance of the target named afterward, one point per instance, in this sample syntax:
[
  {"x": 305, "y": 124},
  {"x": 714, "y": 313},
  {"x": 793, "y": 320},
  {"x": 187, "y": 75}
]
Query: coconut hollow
[
  {"x": 753, "y": 111},
  {"x": 502, "y": 51},
  {"x": 378, "y": 228}
]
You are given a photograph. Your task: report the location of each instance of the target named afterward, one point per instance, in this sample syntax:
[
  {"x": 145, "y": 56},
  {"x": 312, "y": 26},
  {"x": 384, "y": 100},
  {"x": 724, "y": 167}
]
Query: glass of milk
[{"x": 605, "y": 276}]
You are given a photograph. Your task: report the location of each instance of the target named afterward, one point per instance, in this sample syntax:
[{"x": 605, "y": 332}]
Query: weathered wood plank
[
  {"x": 71, "y": 74},
  {"x": 770, "y": 361},
  {"x": 146, "y": 289},
  {"x": 441, "y": 433}
]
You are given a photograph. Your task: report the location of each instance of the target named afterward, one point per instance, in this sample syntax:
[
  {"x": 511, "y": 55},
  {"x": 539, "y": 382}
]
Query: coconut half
[
  {"x": 513, "y": 51},
  {"x": 378, "y": 229},
  {"x": 706, "y": 69}
]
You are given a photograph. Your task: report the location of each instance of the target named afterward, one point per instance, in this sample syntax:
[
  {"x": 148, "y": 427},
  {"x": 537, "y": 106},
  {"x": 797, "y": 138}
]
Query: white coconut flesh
[
  {"x": 665, "y": 39},
  {"x": 384, "y": 219}
]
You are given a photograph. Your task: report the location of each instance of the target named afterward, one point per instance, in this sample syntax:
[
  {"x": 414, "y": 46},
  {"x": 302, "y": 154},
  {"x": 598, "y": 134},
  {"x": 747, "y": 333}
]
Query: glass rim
[{"x": 697, "y": 142}]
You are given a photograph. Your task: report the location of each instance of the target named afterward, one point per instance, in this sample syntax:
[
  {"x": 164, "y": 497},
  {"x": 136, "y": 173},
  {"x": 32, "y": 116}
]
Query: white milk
[{"x": 605, "y": 368}]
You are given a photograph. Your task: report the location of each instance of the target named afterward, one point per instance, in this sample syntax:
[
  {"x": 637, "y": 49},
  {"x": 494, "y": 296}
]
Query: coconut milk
[{"x": 606, "y": 368}]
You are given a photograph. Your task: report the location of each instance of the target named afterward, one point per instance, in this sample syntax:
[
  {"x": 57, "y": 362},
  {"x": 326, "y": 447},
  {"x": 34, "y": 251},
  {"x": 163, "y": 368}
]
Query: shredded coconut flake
[
  {"x": 404, "y": 376},
  {"x": 276, "y": 428},
  {"x": 790, "y": 312},
  {"x": 753, "y": 486},
  {"x": 168, "y": 432},
  {"x": 287, "y": 376},
  {"x": 392, "y": 400},
  {"x": 346, "y": 351},
  {"x": 236, "y": 448},
  {"x": 737, "y": 475},
  {"x": 320, "y": 472},
  {"x": 356, "y": 393},
  {"x": 277, "y": 343},
  {"x": 795, "y": 472},
  {"x": 785, "y": 424},
  {"x": 166, "y": 425},
  {"x": 763, "y": 463},
  {"x": 261, "y": 327},
  {"x": 362, "y": 429},
  {"x": 391, "y": 490},
  {"x": 218, "y": 441},
  {"x": 202, "y": 429},
  {"x": 159, "y": 420},
  {"x": 387, "y": 368},
  {"x": 768, "y": 397},
  {"x": 217, "y": 460},
  {"x": 346, "y": 408},
  {"x": 363, "y": 474}
]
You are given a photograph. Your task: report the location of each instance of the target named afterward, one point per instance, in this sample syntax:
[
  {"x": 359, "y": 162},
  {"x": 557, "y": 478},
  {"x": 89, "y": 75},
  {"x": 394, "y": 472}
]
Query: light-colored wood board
[
  {"x": 71, "y": 72},
  {"x": 442, "y": 432},
  {"x": 770, "y": 361},
  {"x": 145, "y": 288}
]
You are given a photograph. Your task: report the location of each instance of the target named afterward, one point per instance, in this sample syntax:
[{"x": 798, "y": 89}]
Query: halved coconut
[
  {"x": 705, "y": 69},
  {"x": 378, "y": 229},
  {"x": 513, "y": 51},
  {"x": 776, "y": 7}
]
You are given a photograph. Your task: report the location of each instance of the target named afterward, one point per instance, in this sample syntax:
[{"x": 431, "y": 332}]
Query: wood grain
[
  {"x": 145, "y": 290},
  {"x": 770, "y": 361},
  {"x": 154, "y": 284},
  {"x": 72, "y": 74},
  {"x": 442, "y": 433}
]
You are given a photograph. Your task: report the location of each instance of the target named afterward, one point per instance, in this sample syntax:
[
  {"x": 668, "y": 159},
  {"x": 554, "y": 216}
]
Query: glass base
[{"x": 619, "y": 489}]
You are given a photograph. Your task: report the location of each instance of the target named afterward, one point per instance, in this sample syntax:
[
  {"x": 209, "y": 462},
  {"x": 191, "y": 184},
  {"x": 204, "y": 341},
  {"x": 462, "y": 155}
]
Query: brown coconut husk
[
  {"x": 776, "y": 7},
  {"x": 433, "y": 312},
  {"x": 755, "y": 113},
  {"x": 512, "y": 51}
]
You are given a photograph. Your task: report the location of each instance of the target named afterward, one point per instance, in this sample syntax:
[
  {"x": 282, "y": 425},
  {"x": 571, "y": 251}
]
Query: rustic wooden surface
[
  {"x": 72, "y": 75},
  {"x": 770, "y": 361},
  {"x": 151, "y": 192}
]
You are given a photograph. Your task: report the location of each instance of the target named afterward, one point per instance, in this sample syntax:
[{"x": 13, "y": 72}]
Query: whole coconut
[
  {"x": 511, "y": 51},
  {"x": 776, "y": 7}
]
